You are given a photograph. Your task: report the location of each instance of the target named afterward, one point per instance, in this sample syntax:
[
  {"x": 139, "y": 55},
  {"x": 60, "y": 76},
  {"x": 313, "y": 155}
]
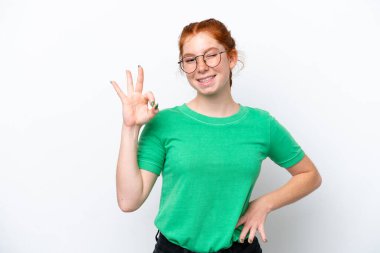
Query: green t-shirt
[{"x": 209, "y": 166}]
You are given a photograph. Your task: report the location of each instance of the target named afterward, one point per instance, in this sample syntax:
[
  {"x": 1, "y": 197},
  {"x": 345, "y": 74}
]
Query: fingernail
[
  {"x": 250, "y": 241},
  {"x": 110, "y": 82},
  {"x": 138, "y": 66},
  {"x": 156, "y": 106},
  {"x": 152, "y": 103}
]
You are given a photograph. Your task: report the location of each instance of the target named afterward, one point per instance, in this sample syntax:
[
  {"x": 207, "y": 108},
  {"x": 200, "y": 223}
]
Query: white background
[{"x": 314, "y": 65}]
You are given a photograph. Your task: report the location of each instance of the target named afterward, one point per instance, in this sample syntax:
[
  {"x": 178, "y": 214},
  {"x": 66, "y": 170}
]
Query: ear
[{"x": 233, "y": 58}]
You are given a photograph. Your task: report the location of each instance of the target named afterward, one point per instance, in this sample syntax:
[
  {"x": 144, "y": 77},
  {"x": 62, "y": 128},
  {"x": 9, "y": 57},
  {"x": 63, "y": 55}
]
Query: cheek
[
  {"x": 189, "y": 77},
  {"x": 223, "y": 69},
  {"x": 224, "y": 66}
]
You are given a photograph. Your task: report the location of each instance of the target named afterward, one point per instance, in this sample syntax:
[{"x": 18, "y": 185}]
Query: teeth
[{"x": 206, "y": 79}]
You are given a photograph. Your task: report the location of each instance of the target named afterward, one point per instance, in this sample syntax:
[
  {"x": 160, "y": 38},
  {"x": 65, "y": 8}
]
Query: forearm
[
  {"x": 296, "y": 188},
  {"x": 129, "y": 182}
]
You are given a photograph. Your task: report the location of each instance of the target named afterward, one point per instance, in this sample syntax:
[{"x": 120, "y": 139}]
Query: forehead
[{"x": 199, "y": 43}]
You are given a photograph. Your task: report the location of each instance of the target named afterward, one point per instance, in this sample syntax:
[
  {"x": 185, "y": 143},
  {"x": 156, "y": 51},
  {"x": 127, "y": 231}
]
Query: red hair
[{"x": 216, "y": 29}]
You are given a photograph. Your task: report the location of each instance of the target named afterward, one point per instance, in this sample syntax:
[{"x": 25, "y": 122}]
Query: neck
[{"x": 214, "y": 106}]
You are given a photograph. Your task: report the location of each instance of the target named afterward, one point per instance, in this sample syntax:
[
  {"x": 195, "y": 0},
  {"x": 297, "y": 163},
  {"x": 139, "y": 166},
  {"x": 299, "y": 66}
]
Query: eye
[
  {"x": 189, "y": 60},
  {"x": 211, "y": 55}
]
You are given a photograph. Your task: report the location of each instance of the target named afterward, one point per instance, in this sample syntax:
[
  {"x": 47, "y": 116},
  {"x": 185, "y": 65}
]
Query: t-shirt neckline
[{"x": 213, "y": 120}]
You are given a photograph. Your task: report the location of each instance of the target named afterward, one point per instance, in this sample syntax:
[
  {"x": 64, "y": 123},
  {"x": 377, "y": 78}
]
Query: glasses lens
[
  {"x": 188, "y": 64},
  {"x": 212, "y": 58}
]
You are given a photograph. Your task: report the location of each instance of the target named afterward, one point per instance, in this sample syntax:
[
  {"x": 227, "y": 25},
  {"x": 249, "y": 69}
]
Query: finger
[
  {"x": 154, "y": 106},
  {"x": 140, "y": 80},
  {"x": 153, "y": 111},
  {"x": 119, "y": 92},
  {"x": 129, "y": 83},
  {"x": 262, "y": 233},
  {"x": 243, "y": 234},
  {"x": 252, "y": 234},
  {"x": 150, "y": 97}
]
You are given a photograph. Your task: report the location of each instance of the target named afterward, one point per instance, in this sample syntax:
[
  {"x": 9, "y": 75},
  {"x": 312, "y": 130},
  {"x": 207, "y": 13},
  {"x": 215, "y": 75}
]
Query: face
[{"x": 205, "y": 79}]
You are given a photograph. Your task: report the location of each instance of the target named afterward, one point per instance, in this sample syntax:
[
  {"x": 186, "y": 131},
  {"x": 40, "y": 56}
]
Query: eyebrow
[{"x": 208, "y": 49}]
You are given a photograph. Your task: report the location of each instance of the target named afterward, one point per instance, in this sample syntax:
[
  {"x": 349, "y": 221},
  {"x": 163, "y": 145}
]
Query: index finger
[
  {"x": 129, "y": 83},
  {"x": 140, "y": 80},
  {"x": 118, "y": 90}
]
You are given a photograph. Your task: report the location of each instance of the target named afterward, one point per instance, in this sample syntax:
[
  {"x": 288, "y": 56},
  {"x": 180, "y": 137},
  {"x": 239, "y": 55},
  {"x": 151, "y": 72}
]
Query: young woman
[{"x": 209, "y": 151}]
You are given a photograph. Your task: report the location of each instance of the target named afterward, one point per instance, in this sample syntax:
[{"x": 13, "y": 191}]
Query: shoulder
[
  {"x": 258, "y": 113},
  {"x": 164, "y": 116},
  {"x": 167, "y": 113}
]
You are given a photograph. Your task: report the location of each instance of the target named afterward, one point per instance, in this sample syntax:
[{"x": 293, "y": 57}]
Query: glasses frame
[{"x": 196, "y": 62}]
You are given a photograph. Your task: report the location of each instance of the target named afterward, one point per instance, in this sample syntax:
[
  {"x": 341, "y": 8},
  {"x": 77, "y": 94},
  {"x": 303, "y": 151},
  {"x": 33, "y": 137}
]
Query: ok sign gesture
[{"x": 135, "y": 105}]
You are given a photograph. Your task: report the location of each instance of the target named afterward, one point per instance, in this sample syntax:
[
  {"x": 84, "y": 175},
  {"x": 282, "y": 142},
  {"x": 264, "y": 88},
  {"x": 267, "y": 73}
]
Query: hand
[
  {"x": 135, "y": 105},
  {"x": 253, "y": 220}
]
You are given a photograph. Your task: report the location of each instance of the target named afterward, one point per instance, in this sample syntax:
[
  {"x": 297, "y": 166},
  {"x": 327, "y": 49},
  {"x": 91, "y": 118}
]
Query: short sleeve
[
  {"x": 283, "y": 148},
  {"x": 150, "y": 151}
]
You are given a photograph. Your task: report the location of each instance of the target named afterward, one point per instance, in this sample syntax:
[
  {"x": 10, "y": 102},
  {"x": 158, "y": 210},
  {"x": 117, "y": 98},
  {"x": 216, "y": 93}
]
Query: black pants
[{"x": 163, "y": 245}]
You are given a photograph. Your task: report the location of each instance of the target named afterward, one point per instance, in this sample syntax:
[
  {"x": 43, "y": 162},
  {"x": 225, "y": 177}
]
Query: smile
[{"x": 206, "y": 80}]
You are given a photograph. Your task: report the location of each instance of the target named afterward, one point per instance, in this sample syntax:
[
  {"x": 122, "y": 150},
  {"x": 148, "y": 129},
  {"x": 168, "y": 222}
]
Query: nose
[{"x": 202, "y": 66}]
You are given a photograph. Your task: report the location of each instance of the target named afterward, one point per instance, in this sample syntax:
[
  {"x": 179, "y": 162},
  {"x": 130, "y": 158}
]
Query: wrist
[
  {"x": 267, "y": 203},
  {"x": 131, "y": 128},
  {"x": 131, "y": 131}
]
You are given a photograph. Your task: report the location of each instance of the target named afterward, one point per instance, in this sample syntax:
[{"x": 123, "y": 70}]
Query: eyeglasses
[{"x": 189, "y": 63}]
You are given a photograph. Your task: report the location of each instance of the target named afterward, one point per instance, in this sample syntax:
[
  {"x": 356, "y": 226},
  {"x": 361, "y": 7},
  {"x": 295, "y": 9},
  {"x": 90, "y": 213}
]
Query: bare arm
[
  {"x": 305, "y": 179},
  {"x": 132, "y": 184},
  {"x": 129, "y": 182}
]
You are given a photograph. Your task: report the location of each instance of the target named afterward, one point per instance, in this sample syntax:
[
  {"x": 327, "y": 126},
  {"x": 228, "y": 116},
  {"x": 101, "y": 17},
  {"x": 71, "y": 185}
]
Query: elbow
[
  {"x": 320, "y": 180},
  {"x": 127, "y": 207},
  {"x": 317, "y": 180},
  {"x": 127, "y": 210}
]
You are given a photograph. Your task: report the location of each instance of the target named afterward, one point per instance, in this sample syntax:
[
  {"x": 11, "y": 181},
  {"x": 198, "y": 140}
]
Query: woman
[{"x": 209, "y": 151}]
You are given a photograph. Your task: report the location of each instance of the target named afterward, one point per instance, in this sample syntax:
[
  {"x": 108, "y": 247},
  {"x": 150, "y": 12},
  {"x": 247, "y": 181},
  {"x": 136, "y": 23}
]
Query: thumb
[
  {"x": 150, "y": 97},
  {"x": 153, "y": 111}
]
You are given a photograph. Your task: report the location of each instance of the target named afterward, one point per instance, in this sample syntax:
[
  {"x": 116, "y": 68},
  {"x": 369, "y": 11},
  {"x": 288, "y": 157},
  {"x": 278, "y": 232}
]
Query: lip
[
  {"x": 208, "y": 83},
  {"x": 198, "y": 79}
]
